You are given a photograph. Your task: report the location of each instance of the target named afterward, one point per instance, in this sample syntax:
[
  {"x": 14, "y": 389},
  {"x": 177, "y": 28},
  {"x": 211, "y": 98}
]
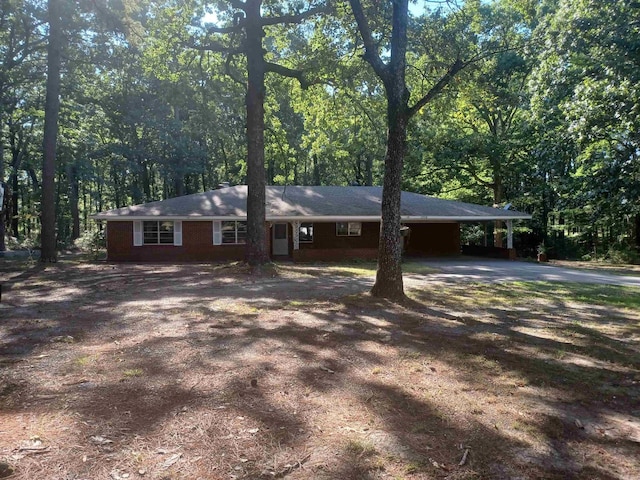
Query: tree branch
[
  {"x": 232, "y": 29},
  {"x": 439, "y": 86},
  {"x": 238, "y": 25},
  {"x": 370, "y": 51},
  {"x": 288, "y": 19},
  {"x": 227, "y": 69},
  {"x": 238, "y": 4},
  {"x": 288, "y": 72},
  {"x": 211, "y": 46}
]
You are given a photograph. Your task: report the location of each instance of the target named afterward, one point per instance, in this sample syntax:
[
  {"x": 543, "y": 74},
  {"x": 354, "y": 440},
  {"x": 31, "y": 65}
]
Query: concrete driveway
[{"x": 489, "y": 270}]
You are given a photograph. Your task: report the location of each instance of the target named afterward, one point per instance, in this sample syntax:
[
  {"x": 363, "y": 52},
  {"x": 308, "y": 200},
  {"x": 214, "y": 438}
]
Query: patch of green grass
[
  {"x": 353, "y": 270},
  {"x": 417, "y": 267},
  {"x": 514, "y": 293},
  {"x": 525, "y": 427},
  {"x": 594, "y": 294},
  {"x": 133, "y": 372},
  {"x": 297, "y": 303},
  {"x": 84, "y": 360},
  {"x": 412, "y": 468},
  {"x": 360, "y": 448}
]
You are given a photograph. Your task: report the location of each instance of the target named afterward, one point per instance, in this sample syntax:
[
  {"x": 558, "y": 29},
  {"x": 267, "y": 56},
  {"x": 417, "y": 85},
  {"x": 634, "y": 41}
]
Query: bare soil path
[{"x": 205, "y": 372}]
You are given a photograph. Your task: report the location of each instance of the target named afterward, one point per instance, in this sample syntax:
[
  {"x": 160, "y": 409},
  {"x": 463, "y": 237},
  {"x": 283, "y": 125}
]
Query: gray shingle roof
[{"x": 298, "y": 202}]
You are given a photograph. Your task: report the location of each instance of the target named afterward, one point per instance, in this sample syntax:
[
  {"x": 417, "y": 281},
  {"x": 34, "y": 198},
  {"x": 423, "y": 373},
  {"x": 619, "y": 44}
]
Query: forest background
[{"x": 544, "y": 115}]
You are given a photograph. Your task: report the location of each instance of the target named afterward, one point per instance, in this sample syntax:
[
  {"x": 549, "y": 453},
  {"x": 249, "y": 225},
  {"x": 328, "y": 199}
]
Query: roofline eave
[{"x": 312, "y": 218}]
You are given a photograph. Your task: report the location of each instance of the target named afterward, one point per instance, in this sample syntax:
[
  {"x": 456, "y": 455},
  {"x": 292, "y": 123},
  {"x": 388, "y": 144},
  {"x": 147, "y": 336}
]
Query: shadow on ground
[{"x": 182, "y": 372}]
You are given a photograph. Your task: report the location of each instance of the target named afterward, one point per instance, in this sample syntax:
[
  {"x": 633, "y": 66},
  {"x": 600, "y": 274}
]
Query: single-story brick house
[{"x": 303, "y": 223}]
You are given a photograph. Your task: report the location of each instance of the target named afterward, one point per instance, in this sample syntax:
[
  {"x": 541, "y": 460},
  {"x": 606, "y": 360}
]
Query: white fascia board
[
  {"x": 484, "y": 218},
  {"x": 132, "y": 218},
  {"x": 311, "y": 218},
  {"x": 327, "y": 218}
]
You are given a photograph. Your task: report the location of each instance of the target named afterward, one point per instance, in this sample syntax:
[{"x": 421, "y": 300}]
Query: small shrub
[
  {"x": 28, "y": 243},
  {"x": 623, "y": 254},
  {"x": 91, "y": 241}
]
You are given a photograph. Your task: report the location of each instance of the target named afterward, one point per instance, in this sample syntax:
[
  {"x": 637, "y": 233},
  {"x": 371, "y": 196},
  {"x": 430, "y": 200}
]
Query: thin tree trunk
[
  {"x": 72, "y": 173},
  {"x": 52, "y": 109},
  {"x": 3, "y": 212},
  {"x": 5, "y": 190},
  {"x": 497, "y": 200},
  {"x": 85, "y": 209},
  {"x": 256, "y": 248},
  {"x": 316, "y": 170},
  {"x": 146, "y": 181},
  {"x": 179, "y": 185},
  {"x": 368, "y": 173}
]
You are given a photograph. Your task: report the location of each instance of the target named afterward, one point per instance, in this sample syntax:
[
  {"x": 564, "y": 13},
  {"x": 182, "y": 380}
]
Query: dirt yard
[{"x": 115, "y": 371}]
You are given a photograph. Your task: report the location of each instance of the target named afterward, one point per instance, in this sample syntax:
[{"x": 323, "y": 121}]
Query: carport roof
[{"x": 317, "y": 203}]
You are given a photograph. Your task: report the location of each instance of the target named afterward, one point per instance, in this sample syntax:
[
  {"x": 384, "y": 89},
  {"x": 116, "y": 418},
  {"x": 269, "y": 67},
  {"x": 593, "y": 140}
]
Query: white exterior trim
[
  {"x": 133, "y": 218},
  {"x": 177, "y": 233},
  {"x": 137, "y": 234},
  {"x": 319, "y": 219},
  {"x": 217, "y": 232}
]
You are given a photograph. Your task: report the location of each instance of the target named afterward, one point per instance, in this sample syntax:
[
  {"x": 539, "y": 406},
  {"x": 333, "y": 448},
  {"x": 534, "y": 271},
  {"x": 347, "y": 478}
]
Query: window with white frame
[
  {"x": 306, "y": 233},
  {"x": 234, "y": 232},
  {"x": 348, "y": 229},
  {"x": 157, "y": 233}
]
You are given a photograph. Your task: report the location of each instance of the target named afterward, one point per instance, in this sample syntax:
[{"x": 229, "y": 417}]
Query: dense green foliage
[{"x": 544, "y": 116}]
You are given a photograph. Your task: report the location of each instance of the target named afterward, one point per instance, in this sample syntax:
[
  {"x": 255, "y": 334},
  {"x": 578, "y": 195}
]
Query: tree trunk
[
  {"x": 497, "y": 200},
  {"x": 179, "y": 185},
  {"x": 256, "y": 248},
  {"x": 146, "y": 180},
  {"x": 72, "y": 173},
  {"x": 389, "y": 275},
  {"x": 5, "y": 192},
  {"x": 4, "y": 212},
  {"x": 368, "y": 173},
  {"x": 51, "y": 111},
  {"x": 316, "y": 170}
]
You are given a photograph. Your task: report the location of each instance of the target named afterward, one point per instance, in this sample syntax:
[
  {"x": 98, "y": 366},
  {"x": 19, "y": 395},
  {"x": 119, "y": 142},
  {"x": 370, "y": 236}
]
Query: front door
[{"x": 280, "y": 239}]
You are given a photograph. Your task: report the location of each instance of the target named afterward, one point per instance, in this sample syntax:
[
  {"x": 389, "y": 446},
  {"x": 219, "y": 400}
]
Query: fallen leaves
[
  {"x": 171, "y": 460},
  {"x": 100, "y": 440}
]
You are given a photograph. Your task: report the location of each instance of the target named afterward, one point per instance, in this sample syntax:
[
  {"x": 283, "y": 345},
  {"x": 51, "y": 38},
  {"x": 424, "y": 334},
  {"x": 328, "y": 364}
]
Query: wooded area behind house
[{"x": 541, "y": 111}]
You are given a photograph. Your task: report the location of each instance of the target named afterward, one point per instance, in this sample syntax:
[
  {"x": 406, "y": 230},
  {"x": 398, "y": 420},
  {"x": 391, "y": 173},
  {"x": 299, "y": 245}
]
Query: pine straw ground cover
[{"x": 205, "y": 372}]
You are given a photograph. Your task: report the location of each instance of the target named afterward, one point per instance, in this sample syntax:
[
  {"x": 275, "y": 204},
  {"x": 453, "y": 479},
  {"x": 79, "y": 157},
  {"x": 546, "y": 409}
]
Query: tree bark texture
[
  {"x": 15, "y": 195},
  {"x": 72, "y": 174},
  {"x": 3, "y": 213},
  {"x": 52, "y": 109},
  {"x": 498, "y": 198},
  {"x": 256, "y": 248},
  {"x": 389, "y": 282}
]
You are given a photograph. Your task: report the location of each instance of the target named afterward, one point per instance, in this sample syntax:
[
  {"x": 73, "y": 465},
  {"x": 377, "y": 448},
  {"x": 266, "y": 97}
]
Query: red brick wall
[
  {"x": 197, "y": 238},
  {"x": 324, "y": 237},
  {"x": 197, "y": 245},
  {"x": 433, "y": 239}
]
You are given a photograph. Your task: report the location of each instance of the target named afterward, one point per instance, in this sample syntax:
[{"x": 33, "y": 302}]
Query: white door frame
[{"x": 280, "y": 246}]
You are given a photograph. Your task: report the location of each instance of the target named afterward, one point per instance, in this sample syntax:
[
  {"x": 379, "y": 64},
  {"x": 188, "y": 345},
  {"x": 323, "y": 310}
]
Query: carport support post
[
  {"x": 295, "y": 226},
  {"x": 509, "y": 233}
]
